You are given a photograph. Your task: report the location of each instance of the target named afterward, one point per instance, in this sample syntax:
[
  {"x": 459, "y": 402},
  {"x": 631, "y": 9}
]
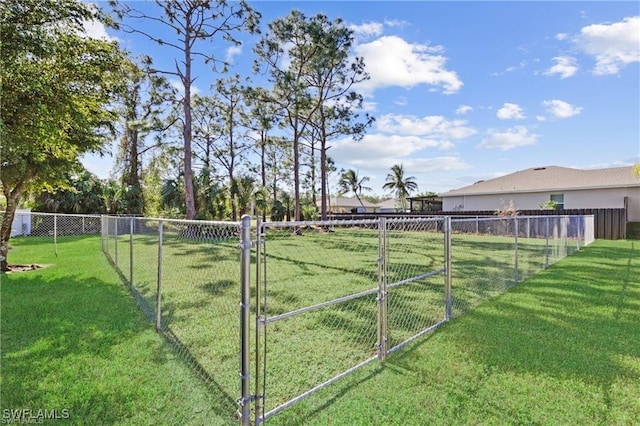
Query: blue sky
[{"x": 465, "y": 91}]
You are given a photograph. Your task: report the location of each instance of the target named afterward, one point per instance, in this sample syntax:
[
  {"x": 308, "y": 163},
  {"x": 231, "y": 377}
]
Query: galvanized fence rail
[{"x": 270, "y": 314}]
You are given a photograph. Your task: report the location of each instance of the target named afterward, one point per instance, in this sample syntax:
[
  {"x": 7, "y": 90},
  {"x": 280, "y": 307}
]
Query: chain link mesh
[
  {"x": 195, "y": 267},
  {"x": 334, "y": 295},
  {"x": 414, "y": 277},
  {"x": 307, "y": 266}
]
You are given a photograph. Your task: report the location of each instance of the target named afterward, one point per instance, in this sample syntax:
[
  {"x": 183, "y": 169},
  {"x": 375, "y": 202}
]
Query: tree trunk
[
  {"x": 296, "y": 173},
  {"x": 13, "y": 198},
  {"x": 187, "y": 131},
  {"x": 323, "y": 167},
  {"x": 263, "y": 171}
]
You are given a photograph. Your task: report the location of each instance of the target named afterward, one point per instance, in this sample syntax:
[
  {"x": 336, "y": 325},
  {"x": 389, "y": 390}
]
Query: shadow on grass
[
  {"x": 224, "y": 402},
  {"x": 577, "y": 320}
]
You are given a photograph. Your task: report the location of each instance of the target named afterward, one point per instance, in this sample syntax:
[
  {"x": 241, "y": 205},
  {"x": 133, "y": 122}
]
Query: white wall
[
  {"x": 21, "y": 223},
  {"x": 582, "y": 199}
]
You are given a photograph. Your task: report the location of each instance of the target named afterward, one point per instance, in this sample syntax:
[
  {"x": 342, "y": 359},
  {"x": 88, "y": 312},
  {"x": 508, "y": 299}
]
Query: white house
[
  {"x": 568, "y": 188},
  {"x": 348, "y": 205},
  {"x": 351, "y": 205}
]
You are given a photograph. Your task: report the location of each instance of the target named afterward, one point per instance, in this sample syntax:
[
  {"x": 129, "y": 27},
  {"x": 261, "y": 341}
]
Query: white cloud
[
  {"x": 379, "y": 152},
  {"x": 379, "y": 147},
  {"x": 367, "y": 29},
  {"x": 396, "y": 23},
  {"x": 521, "y": 65},
  {"x": 401, "y": 101},
  {"x": 96, "y": 29},
  {"x": 565, "y": 66},
  {"x": 561, "y": 36},
  {"x": 561, "y": 109},
  {"x": 392, "y": 61},
  {"x": 510, "y": 111},
  {"x": 232, "y": 52},
  {"x": 436, "y": 164},
  {"x": 511, "y": 138},
  {"x": 433, "y": 126},
  {"x": 541, "y": 118},
  {"x": 463, "y": 109},
  {"x": 369, "y": 106},
  {"x": 612, "y": 45},
  {"x": 177, "y": 84}
]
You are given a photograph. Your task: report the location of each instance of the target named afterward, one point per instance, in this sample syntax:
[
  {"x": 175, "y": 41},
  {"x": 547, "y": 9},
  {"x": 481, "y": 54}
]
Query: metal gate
[{"x": 334, "y": 296}]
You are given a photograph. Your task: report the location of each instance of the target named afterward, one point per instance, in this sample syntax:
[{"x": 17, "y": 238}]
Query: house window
[{"x": 558, "y": 199}]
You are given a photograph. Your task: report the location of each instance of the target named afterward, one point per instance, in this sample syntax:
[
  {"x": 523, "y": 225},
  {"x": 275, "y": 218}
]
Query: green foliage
[
  {"x": 56, "y": 86},
  {"x": 82, "y": 195},
  {"x": 549, "y": 205},
  {"x": 401, "y": 185},
  {"x": 351, "y": 182}
]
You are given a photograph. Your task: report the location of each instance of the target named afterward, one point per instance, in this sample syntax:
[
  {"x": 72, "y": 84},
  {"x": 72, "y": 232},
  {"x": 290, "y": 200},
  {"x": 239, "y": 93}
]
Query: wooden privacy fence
[{"x": 610, "y": 224}]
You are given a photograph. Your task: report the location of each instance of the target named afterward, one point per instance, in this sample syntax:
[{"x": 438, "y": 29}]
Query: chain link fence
[
  {"x": 334, "y": 296},
  {"x": 185, "y": 277},
  {"x": 53, "y": 228},
  {"x": 268, "y": 315}
]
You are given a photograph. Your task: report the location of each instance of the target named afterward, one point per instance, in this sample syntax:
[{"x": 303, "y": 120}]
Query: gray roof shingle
[{"x": 552, "y": 178}]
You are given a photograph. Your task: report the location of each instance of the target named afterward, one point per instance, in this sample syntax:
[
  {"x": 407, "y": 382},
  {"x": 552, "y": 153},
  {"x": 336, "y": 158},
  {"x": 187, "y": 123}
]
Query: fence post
[
  {"x": 159, "y": 287},
  {"x": 546, "y": 246},
  {"x": 565, "y": 229},
  {"x": 245, "y": 302},
  {"x": 448, "y": 302},
  {"x": 580, "y": 231},
  {"x": 102, "y": 223},
  {"x": 55, "y": 234},
  {"x": 382, "y": 289},
  {"x": 515, "y": 232},
  {"x": 115, "y": 226},
  {"x": 131, "y": 253},
  {"x": 260, "y": 316}
]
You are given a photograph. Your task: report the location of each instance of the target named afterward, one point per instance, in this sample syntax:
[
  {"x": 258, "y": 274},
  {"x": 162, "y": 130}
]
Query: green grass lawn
[
  {"x": 73, "y": 338},
  {"x": 561, "y": 348}
]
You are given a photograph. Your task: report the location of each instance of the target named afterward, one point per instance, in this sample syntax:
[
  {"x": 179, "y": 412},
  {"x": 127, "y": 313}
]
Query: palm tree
[
  {"x": 243, "y": 187},
  {"x": 351, "y": 182},
  {"x": 401, "y": 185}
]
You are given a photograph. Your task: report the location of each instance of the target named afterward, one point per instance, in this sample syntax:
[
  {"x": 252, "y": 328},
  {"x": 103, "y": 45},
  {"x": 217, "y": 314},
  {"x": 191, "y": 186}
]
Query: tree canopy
[
  {"x": 401, "y": 185},
  {"x": 57, "y": 84}
]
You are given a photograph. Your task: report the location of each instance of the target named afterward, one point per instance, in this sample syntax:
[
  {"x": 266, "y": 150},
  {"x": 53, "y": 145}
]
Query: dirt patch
[{"x": 12, "y": 269}]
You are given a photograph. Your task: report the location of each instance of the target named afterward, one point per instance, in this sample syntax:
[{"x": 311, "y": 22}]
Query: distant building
[
  {"x": 430, "y": 203},
  {"x": 352, "y": 205},
  {"x": 543, "y": 186}
]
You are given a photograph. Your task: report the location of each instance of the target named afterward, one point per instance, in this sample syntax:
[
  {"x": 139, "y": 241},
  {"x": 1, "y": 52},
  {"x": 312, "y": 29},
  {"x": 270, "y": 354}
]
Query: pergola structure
[{"x": 431, "y": 203}]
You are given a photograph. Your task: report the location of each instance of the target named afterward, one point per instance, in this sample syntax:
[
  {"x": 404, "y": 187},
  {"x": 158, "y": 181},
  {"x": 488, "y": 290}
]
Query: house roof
[
  {"x": 551, "y": 178},
  {"x": 391, "y": 203}
]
